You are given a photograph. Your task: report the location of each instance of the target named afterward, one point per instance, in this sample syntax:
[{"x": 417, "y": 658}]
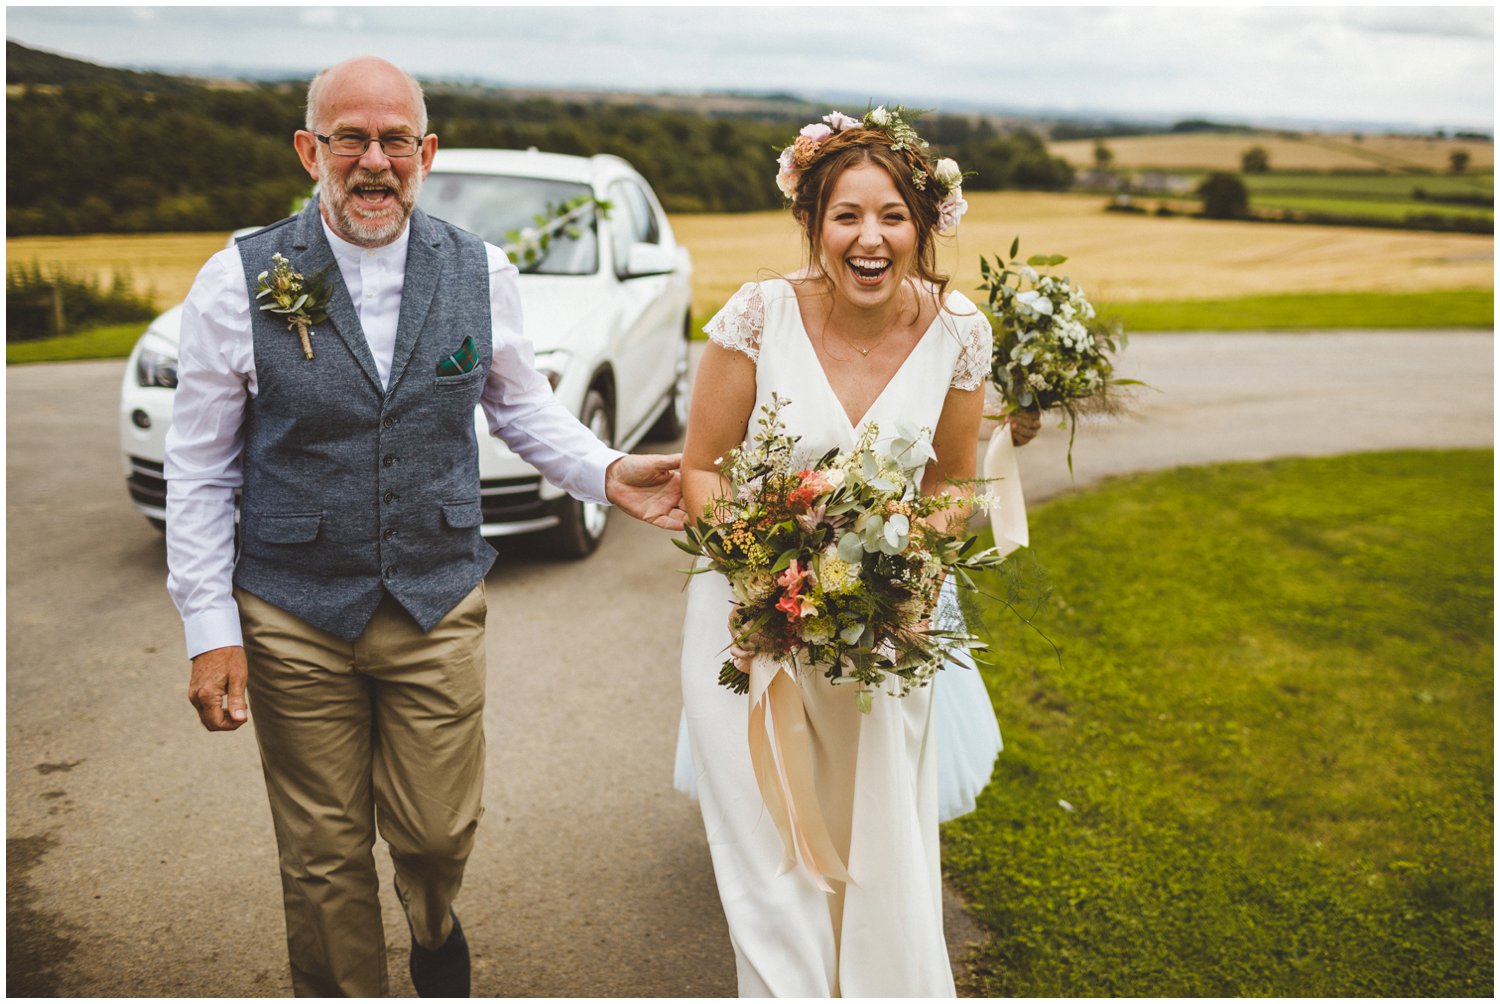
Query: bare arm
[
  {"x": 953, "y": 442},
  {"x": 723, "y": 397}
]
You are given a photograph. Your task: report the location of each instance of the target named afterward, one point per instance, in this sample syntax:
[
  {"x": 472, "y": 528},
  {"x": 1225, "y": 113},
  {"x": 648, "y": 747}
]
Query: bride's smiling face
[{"x": 868, "y": 238}]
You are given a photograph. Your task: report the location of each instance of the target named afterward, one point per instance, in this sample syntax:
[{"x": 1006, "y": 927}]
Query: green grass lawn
[
  {"x": 1376, "y": 209},
  {"x": 1312, "y": 311},
  {"x": 1385, "y": 187},
  {"x": 1272, "y": 726},
  {"x": 113, "y": 342},
  {"x": 1451, "y": 309}
]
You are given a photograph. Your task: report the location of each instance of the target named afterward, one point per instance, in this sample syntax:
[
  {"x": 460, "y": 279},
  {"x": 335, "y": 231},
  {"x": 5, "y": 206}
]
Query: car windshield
[{"x": 546, "y": 227}]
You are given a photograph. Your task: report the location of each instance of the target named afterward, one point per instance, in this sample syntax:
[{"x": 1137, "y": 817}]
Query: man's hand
[
  {"x": 1024, "y": 425},
  {"x": 218, "y": 673},
  {"x": 648, "y": 487}
]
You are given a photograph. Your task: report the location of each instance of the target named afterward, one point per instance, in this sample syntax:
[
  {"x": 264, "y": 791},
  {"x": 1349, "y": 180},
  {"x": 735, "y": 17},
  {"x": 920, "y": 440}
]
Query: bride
[{"x": 866, "y": 333}]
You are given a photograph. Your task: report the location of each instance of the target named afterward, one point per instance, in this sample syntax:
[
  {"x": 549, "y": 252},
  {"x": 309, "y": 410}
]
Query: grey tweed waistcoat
[{"x": 351, "y": 490}]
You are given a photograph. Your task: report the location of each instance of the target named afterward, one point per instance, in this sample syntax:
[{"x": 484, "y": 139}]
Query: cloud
[
  {"x": 1476, "y": 23},
  {"x": 1425, "y": 66}
]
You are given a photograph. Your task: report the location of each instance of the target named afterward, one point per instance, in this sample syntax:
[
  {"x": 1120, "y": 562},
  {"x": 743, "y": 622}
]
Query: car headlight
[
  {"x": 156, "y": 365},
  {"x": 552, "y": 365}
]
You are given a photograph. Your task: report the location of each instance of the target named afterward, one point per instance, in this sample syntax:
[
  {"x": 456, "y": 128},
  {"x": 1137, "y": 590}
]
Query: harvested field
[
  {"x": 1116, "y": 257},
  {"x": 1119, "y": 257},
  {"x": 163, "y": 265},
  {"x": 1304, "y": 152}
]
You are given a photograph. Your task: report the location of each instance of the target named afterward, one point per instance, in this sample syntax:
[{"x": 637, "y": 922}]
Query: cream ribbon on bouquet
[
  {"x": 1008, "y": 511},
  {"x": 780, "y": 752}
]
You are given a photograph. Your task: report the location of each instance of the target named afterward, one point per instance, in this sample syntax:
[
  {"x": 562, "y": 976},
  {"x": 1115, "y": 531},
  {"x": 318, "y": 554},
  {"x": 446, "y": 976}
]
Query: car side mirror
[{"x": 649, "y": 259}]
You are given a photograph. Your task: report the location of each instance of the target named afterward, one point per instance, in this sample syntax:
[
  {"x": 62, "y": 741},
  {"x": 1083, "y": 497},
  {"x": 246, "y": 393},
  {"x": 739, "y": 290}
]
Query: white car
[{"x": 607, "y": 301}]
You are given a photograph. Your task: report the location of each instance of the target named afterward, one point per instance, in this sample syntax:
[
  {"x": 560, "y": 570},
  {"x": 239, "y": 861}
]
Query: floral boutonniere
[{"x": 303, "y": 302}]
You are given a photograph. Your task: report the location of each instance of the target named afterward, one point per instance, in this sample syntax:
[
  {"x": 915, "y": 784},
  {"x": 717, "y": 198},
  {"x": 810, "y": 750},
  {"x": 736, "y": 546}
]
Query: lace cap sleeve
[
  {"x": 975, "y": 340},
  {"x": 739, "y": 322}
]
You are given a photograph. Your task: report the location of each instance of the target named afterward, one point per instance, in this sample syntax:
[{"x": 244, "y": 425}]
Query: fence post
[{"x": 57, "y": 321}]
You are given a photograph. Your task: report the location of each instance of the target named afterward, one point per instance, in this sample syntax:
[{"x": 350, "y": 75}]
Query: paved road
[{"x": 139, "y": 848}]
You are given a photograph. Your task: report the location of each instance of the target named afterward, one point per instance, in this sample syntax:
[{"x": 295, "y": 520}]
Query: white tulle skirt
[{"x": 968, "y": 737}]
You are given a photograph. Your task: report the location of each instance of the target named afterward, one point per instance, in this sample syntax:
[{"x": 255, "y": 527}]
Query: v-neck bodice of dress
[{"x": 952, "y": 352}]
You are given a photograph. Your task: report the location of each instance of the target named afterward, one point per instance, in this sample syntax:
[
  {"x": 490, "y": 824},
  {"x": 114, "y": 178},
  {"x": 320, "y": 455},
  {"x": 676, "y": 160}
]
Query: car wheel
[
  {"x": 582, "y": 523},
  {"x": 674, "y": 420}
]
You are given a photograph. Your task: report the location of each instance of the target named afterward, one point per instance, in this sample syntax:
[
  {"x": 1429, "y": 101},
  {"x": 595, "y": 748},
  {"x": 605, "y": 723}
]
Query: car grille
[
  {"x": 510, "y": 500},
  {"x": 147, "y": 484}
]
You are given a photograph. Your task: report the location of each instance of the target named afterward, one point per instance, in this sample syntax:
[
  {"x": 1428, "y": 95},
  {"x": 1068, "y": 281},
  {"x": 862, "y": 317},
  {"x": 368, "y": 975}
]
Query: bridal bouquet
[
  {"x": 1050, "y": 351},
  {"x": 833, "y": 562}
]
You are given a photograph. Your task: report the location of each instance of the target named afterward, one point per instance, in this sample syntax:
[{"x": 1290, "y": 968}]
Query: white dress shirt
[{"x": 216, "y": 380}]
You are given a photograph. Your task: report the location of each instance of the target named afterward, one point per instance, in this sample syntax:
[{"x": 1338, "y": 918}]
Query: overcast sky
[{"x": 1427, "y": 67}]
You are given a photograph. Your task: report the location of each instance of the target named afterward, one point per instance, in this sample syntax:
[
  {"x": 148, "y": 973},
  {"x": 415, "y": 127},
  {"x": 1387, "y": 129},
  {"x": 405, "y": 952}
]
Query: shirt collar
[{"x": 346, "y": 251}]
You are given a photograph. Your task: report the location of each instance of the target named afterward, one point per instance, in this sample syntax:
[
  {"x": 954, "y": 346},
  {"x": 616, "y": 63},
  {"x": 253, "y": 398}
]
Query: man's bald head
[{"x": 360, "y": 75}]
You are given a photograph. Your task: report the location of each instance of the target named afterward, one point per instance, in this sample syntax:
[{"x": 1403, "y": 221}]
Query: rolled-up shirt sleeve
[
  {"x": 215, "y": 373},
  {"x": 520, "y": 407}
]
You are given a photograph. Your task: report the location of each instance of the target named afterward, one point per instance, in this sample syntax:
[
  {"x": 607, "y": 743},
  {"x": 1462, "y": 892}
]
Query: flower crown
[{"x": 803, "y": 150}]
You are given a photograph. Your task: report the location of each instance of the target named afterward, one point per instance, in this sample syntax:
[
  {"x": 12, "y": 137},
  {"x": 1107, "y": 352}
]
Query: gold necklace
[{"x": 865, "y": 353}]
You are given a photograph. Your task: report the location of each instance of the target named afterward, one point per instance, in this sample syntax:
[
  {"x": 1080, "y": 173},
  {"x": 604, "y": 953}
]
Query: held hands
[
  {"x": 648, "y": 487},
  {"x": 1024, "y": 425},
  {"x": 217, "y": 674}
]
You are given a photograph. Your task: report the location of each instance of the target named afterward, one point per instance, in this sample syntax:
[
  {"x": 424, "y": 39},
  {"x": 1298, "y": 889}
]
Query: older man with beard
[{"x": 353, "y": 611}]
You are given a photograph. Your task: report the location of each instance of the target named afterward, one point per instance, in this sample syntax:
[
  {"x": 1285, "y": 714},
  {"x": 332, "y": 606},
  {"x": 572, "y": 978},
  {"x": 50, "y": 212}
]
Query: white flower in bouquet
[
  {"x": 1034, "y": 302},
  {"x": 754, "y": 586},
  {"x": 834, "y": 574}
]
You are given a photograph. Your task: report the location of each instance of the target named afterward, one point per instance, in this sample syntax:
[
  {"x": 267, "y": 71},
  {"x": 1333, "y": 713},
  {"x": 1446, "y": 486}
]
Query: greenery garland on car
[{"x": 527, "y": 246}]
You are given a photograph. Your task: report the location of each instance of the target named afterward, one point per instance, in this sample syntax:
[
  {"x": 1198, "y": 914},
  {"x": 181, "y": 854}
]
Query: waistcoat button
[{"x": 390, "y": 460}]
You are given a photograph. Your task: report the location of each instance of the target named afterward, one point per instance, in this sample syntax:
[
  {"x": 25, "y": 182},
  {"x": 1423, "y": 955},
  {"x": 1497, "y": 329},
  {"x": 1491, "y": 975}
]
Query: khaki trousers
[{"x": 386, "y": 731}]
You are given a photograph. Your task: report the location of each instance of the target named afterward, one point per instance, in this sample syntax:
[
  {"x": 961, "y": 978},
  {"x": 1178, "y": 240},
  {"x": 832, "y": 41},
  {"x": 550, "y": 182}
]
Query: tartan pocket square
[{"x": 461, "y": 361}]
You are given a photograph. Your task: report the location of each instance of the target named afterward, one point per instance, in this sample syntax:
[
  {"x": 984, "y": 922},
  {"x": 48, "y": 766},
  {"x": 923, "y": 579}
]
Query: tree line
[{"x": 101, "y": 155}]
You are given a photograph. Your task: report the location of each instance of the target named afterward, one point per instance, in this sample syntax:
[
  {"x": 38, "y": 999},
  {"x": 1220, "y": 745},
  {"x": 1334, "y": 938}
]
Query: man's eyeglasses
[{"x": 352, "y": 144}]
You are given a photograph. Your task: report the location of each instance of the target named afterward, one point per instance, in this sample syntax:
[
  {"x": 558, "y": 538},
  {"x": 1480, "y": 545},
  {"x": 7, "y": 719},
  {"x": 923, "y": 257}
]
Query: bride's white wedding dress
[{"x": 875, "y": 774}]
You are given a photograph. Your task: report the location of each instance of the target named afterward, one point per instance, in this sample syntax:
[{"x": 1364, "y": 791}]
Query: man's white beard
[{"x": 353, "y": 223}]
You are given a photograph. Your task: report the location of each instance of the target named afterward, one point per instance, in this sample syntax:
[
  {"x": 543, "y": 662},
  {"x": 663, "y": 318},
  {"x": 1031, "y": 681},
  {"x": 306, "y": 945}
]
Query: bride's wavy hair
[{"x": 850, "y": 148}]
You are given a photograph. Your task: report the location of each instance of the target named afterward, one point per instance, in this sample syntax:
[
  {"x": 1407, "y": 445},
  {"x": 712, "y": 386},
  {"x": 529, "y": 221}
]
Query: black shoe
[{"x": 442, "y": 972}]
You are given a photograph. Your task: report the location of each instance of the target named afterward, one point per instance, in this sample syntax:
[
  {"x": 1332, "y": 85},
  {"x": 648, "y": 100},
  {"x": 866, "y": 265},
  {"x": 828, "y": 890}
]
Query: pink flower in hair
[
  {"x": 951, "y": 209},
  {"x": 816, "y": 131},
  {"x": 839, "y": 121}
]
